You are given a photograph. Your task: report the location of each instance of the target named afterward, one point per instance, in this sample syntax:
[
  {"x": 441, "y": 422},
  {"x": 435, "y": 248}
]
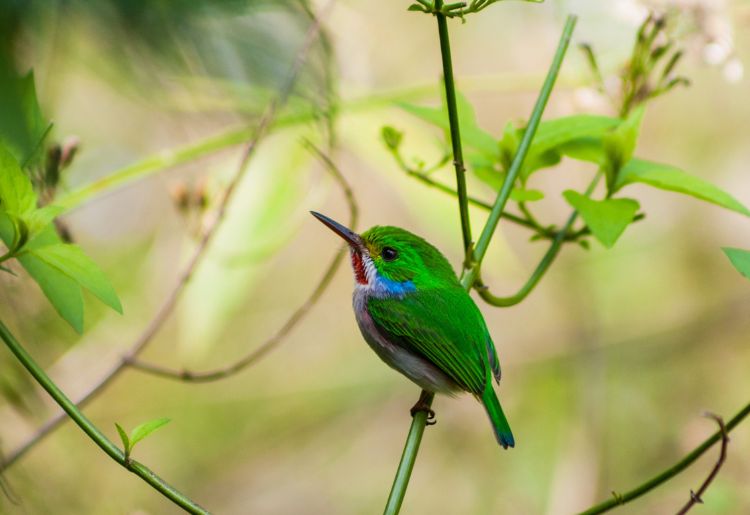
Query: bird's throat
[{"x": 359, "y": 268}]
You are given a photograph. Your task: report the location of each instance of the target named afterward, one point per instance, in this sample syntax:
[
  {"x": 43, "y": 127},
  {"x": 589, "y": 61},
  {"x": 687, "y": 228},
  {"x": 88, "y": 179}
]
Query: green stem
[
  {"x": 154, "y": 163},
  {"x": 620, "y": 499},
  {"x": 544, "y": 264},
  {"x": 450, "y": 100},
  {"x": 92, "y": 431},
  {"x": 414, "y": 438},
  {"x": 536, "y": 276},
  {"x": 523, "y": 149},
  {"x": 408, "y": 457},
  {"x": 470, "y": 274}
]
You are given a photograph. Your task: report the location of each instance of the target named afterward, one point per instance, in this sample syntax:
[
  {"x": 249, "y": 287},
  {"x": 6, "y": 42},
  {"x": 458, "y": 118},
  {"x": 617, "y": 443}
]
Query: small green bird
[{"x": 413, "y": 312}]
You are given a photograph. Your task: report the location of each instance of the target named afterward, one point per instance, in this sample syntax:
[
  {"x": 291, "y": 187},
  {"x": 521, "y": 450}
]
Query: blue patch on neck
[{"x": 389, "y": 288}]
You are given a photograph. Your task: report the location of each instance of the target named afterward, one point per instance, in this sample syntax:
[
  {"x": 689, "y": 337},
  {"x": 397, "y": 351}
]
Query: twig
[
  {"x": 523, "y": 148},
  {"x": 5, "y": 487},
  {"x": 542, "y": 267},
  {"x": 414, "y": 437},
  {"x": 239, "y": 365},
  {"x": 92, "y": 431},
  {"x": 697, "y": 497},
  {"x": 455, "y": 133},
  {"x": 672, "y": 471},
  {"x": 171, "y": 301}
]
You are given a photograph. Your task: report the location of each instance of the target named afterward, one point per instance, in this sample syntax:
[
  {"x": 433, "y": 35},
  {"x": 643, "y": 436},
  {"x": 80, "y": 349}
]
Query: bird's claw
[{"x": 431, "y": 421}]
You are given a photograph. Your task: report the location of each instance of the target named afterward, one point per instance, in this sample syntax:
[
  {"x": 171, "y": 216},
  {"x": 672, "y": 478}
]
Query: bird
[{"x": 413, "y": 312}]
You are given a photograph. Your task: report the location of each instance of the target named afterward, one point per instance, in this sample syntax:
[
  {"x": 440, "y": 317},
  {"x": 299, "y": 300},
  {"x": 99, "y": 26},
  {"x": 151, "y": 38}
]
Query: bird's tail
[{"x": 497, "y": 417}]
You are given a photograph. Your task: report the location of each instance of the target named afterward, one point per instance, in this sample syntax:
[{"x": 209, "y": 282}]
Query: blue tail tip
[{"x": 506, "y": 440}]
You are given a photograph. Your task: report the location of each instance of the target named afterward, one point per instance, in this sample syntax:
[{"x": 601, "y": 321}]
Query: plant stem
[
  {"x": 523, "y": 148},
  {"x": 619, "y": 499},
  {"x": 408, "y": 457},
  {"x": 414, "y": 437},
  {"x": 91, "y": 430},
  {"x": 169, "y": 304},
  {"x": 203, "y": 376},
  {"x": 544, "y": 264},
  {"x": 450, "y": 100}
]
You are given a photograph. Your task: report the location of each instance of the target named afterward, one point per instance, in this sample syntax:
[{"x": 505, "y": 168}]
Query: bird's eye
[{"x": 389, "y": 254}]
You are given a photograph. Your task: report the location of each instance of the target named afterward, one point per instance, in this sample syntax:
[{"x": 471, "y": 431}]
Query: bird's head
[{"x": 393, "y": 256}]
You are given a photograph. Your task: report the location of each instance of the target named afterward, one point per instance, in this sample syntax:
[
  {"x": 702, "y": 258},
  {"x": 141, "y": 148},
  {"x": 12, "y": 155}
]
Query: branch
[
  {"x": 244, "y": 362},
  {"x": 5, "y": 487},
  {"x": 523, "y": 148},
  {"x": 450, "y": 100},
  {"x": 171, "y": 301},
  {"x": 414, "y": 437},
  {"x": 663, "y": 477},
  {"x": 697, "y": 497},
  {"x": 92, "y": 431},
  {"x": 544, "y": 264}
]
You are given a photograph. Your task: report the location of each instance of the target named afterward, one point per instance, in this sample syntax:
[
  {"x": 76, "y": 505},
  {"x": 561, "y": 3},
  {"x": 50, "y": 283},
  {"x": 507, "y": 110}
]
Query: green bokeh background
[{"x": 608, "y": 365}]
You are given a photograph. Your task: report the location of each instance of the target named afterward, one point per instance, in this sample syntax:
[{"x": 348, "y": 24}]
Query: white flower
[{"x": 733, "y": 70}]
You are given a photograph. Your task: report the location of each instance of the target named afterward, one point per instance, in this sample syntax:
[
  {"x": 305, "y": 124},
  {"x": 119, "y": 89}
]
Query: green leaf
[
  {"x": 22, "y": 126},
  {"x": 670, "y": 178},
  {"x": 7, "y": 229},
  {"x": 619, "y": 146},
  {"x": 522, "y": 195},
  {"x": 124, "y": 437},
  {"x": 552, "y": 137},
  {"x": 553, "y": 133},
  {"x": 13, "y": 231},
  {"x": 472, "y": 135},
  {"x": 740, "y": 259},
  {"x": 38, "y": 219},
  {"x": 589, "y": 149},
  {"x": 392, "y": 137},
  {"x": 71, "y": 260},
  {"x": 607, "y": 219},
  {"x": 17, "y": 195},
  {"x": 494, "y": 179},
  {"x": 63, "y": 292},
  {"x": 142, "y": 431}
]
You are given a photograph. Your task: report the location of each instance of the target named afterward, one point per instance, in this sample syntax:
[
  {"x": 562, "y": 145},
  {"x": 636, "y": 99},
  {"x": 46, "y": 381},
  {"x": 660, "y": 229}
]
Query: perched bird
[{"x": 414, "y": 313}]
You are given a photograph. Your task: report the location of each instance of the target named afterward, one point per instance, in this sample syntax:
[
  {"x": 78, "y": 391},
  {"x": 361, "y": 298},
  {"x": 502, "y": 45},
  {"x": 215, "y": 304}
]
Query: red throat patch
[{"x": 359, "y": 268}]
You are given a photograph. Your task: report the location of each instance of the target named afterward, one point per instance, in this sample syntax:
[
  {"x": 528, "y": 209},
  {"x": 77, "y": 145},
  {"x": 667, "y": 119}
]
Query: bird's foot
[{"x": 422, "y": 405}]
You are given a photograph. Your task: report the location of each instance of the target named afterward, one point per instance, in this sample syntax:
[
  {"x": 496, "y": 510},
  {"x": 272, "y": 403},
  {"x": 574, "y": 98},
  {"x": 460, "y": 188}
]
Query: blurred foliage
[
  {"x": 223, "y": 54},
  {"x": 607, "y": 367}
]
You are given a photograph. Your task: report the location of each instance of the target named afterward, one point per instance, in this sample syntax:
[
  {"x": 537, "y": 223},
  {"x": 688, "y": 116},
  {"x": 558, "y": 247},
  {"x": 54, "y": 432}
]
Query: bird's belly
[{"x": 418, "y": 369}]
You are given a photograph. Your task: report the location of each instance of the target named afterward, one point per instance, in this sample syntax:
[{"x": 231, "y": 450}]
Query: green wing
[{"x": 443, "y": 325}]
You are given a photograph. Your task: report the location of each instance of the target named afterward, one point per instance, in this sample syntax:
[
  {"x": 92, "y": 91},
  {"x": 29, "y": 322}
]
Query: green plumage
[{"x": 414, "y": 313}]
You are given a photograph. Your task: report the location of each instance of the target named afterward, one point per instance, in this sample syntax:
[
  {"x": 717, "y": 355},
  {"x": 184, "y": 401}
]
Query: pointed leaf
[
  {"x": 22, "y": 126},
  {"x": 670, "y": 178},
  {"x": 589, "y": 149},
  {"x": 142, "y": 431},
  {"x": 124, "y": 437},
  {"x": 523, "y": 195},
  {"x": 62, "y": 291},
  {"x": 17, "y": 195},
  {"x": 740, "y": 259},
  {"x": 619, "y": 146},
  {"x": 607, "y": 219},
  {"x": 552, "y": 136},
  {"x": 553, "y": 133},
  {"x": 41, "y": 218},
  {"x": 71, "y": 260},
  {"x": 7, "y": 229}
]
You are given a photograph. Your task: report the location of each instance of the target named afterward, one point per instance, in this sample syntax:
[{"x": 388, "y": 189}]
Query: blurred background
[{"x": 608, "y": 365}]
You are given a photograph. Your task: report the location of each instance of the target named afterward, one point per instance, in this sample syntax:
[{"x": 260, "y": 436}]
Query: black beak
[{"x": 351, "y": 237}]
